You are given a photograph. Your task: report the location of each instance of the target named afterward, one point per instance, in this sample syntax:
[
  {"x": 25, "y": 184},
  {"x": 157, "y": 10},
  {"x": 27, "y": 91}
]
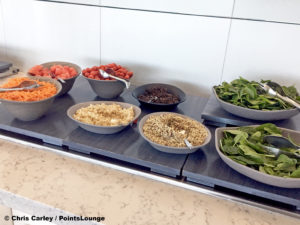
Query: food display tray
[
  {"x": 215, "y": 115},
  {"x": 207, "y": 168},
  {"x": 127, "y": 146}
]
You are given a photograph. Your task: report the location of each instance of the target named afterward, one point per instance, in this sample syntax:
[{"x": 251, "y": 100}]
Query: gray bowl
[
  {"x": 106, "y": 88},
  {"x": 159, "y": 106},
  {"x": 102, "y": 129},
  {"x": 66, "y": 87},
  {"x": 168, "y": 149},
  {"x": 252, "y": 173},
  {"x": 28, "y": 111},
  {"x": 256, "y": 114}
]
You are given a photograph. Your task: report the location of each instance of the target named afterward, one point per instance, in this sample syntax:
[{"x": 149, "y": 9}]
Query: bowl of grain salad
[
  {"x": 104, "y": 117},
  {"x": 167, "y": 132},
  {"x": 28, "y": 105}
]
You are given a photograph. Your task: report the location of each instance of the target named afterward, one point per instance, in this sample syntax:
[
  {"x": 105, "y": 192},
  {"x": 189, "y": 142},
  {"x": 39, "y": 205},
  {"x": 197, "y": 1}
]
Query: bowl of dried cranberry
[
  {"x": 65, "y": 72},
  {"x": 107, "y": 87},
  {"x": 159, "y": 96}
]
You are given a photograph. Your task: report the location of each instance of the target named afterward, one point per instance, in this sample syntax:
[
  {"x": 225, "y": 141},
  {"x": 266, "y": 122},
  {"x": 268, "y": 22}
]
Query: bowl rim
[
  {"x": 136, "y": 116},
  {"x": 252, "y": 110},
  {"x": 183, "y": 99},
  {"x": 217, "y": 145},
  {"x": 59, "y": 89},
  {"x": 144, "y": 119},
  {"x": 99, "y": 80},
  {"x": 57, "y": 62},
  {"x": 104, "y": 80}
]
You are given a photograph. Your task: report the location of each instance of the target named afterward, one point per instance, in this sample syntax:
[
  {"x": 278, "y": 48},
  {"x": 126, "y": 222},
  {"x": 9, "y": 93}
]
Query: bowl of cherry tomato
[
  {"x": 107, "y": 87},
  {"x": 65, "y": 72}
]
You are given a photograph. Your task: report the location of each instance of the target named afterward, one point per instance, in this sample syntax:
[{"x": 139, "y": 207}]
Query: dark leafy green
[
  {"x": 249, "y": 94},
  {"x": 245, "y": 146}
]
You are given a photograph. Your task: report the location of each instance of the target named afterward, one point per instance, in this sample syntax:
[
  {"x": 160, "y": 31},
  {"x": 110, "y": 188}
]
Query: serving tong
[
  {"x": 24, "y": 85},
  {"x": 280, "y": 142},
  {"x": 272, "y": 92}
]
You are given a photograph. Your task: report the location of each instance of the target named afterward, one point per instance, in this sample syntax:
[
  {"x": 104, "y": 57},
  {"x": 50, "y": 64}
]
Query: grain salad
[
  {"x": 170, "y": 130},
  {"x": 104, "y": 115}
]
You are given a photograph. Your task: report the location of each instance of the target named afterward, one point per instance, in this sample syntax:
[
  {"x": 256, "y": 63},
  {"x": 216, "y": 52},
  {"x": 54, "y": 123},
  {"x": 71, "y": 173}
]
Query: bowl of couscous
[
  {"x": 104, "y": 117},
  {"x": 168, "y": 132}
]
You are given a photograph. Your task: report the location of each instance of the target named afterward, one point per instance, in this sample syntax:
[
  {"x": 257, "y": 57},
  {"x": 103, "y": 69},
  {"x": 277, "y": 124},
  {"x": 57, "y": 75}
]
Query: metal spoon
[
  {"x": 280, "y": 142},
  {"x": 106, "y": 75},
  {"x": 154, "y": 98},
  {"x": 53, "y": 77},
  {"x": 277, "y": 152},
  {"x": 24, "y": 85},
  {"x": 188, "y": 144},
  {"x": 271, "y": 92}
]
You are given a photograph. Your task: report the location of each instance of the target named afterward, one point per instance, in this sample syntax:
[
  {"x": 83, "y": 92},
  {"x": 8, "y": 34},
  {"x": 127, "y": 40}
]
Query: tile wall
[{"x": 194, "y": 45}]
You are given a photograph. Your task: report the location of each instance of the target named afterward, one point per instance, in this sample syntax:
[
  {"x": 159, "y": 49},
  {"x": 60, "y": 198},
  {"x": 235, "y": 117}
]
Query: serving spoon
[
  {"x": 280, "y": 142},
  {"x": 188, "y": 144},
  {"x": 58, "y": 78},
  {"x": 109, "y": 74},
  {"x": 24, "y": 85}
]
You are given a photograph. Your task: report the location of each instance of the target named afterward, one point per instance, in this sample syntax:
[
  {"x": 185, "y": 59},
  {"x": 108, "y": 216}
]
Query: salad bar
[
  {"x": 67, "y": 109},
  {"x": 128, "y": 146}
]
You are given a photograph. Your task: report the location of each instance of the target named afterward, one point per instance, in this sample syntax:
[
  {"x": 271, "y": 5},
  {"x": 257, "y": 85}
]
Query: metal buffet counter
[{"x": 115, "y": 176}]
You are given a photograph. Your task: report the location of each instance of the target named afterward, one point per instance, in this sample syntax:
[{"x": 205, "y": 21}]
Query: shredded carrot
[{"x": 46, "y": 90}]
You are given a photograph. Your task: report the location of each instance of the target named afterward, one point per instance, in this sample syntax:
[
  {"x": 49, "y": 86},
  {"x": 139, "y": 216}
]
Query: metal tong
[
  {"x": 280, "y": 142},
  {"x": 271, "y": 92}
]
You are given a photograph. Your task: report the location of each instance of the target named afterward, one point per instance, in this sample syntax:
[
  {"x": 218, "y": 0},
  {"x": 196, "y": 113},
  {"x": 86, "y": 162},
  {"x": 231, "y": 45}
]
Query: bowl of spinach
[
  {"x": 241, "y": 148},
  {"x": 248, "y": 100}
]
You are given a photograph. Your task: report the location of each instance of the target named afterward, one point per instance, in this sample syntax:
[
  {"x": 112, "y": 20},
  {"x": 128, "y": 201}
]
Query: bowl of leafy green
[
  {"x": 249, "y": 100},
  {"x": 244, "y": 150}
]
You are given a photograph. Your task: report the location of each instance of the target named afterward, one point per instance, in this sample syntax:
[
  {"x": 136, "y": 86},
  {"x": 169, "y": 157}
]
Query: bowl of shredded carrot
[{"x": 28, "y": 105}]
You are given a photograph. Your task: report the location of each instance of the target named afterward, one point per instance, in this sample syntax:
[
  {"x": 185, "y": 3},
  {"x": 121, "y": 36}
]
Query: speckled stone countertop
[{"x": 42, "y": 182}]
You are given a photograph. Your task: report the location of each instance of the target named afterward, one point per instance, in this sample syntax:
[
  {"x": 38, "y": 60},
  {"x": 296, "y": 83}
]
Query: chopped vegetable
[
  {"x": 113, "y": 69},
  {"x": 249, "y": 94},
  {"x": 46, "y": 90},
  {"x": 55, "y": 71},
  {"x": 245, "y": 146}
]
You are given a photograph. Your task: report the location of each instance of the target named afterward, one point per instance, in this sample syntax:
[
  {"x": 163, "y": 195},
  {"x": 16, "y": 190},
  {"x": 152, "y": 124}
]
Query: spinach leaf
[
  {"x": 245, "y": 146},
  {"x": 296, "y": 173},
  {"x": 249, "y": 94}
]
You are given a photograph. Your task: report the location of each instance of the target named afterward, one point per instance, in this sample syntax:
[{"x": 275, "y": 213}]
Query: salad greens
[
  {"x": 249, "y": 94},
  {"x": 245, "y": 146}
]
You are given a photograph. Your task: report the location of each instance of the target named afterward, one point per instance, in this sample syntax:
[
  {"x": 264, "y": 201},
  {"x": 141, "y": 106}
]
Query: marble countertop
[{"x": 42, "y": 182}]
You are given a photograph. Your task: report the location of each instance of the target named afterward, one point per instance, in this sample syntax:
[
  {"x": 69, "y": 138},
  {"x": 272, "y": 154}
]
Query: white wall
[
  {"x": 182, "y": 50},
  {"x": 2, "y": 38},
  {"x": 178, "y": 48},
  {"x": 271, "y": 10},
  {"x": 263, "y": 50},
  {"x": 36, "y": 32}
]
